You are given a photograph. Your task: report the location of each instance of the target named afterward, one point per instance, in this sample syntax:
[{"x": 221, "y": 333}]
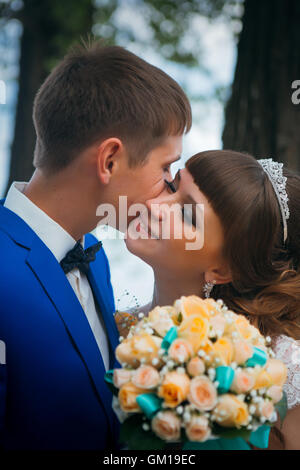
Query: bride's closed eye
[{"x": 172, "y": 186}]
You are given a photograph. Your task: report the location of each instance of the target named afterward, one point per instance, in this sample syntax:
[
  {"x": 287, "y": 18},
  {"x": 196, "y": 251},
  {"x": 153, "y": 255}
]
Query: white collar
[{"x": 50, "y": 232}]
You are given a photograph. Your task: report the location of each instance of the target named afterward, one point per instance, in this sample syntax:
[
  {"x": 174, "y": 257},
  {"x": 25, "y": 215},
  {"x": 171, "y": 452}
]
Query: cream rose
[
  {"x": 180, "y": 350},
  {"x": 127, "y": 397},
  {"x": 218, "y": 324},
  {"x": 277, "y": 370},
  {"x": 166, "y": 425},
  {"x": 160, "y": 320},
  {"x": 243, "y": 382},
  {"x": 203, "y": 393},
  {"x": 121, "y": 377},
  {"x": 196, "y": 366},
  {"x": 174, "y": 388},
  {"x": 198, "y": 429},
  {"x": 275, "y": 393},
  {"x": 231, "y": 412},
  {"x": 145, "y": 377}
]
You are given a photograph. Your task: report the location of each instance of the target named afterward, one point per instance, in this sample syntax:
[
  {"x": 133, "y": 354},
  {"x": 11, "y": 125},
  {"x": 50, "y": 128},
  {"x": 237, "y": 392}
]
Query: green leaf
[
  {"x": 282, "y": 407},
  {"x": 136, "y": 438},
  {"x": 231, "y": 433},
  {"x": 179, "y": 318}
]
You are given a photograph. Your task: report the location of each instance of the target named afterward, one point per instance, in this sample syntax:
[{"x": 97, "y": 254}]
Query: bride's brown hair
[{"x": 265, "y": 271}]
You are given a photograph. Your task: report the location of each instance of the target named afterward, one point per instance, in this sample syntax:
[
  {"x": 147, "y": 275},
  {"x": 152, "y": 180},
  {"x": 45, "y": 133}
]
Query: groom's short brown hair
[{"x": 98, "y": 92}]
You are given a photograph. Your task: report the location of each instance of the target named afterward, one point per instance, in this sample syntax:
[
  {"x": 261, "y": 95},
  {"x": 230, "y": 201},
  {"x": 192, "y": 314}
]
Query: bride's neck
[{"x": 168, "y": 288}]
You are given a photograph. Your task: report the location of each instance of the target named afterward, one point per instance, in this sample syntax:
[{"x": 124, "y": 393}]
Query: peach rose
[
  {"x": 160, "y": 320},
  {"x": 243, "y": 382},
  {"x": 121, "y": 377},
  {"x": 223, "y": 350},
  {"x": 141, "y": 346},
  {"x": 231, "y": 412},
  {"x": 194, "y": 329},
  {"x": 265, "y": 409},
  {"x": 166, "y": 425},
  {"x": 277, "y": 371},
  {"x": 180, "y": 350},
  {"x": 275, "y": 393},
  {"x": 198, "y": 429},
  {"x": 145, "y": 377},
  {"x": 174, "y": 388},
  {"x": 127, "y": 397},
  {"x": 218, "y": 324},
  {"x": 202, "y": 393},
  {"x": 242, "y": 351},
  {"x": 196, "y": 366}
]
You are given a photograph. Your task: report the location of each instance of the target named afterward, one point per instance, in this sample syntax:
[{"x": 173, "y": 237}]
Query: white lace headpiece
[{"x": 275, "y": 174}]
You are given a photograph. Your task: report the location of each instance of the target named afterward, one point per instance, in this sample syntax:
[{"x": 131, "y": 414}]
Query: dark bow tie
[{"x": 80, "y": 258}]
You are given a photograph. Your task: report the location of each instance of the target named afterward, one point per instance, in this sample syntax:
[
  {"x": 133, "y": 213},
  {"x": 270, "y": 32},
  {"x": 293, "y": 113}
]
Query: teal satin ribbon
[
  {"x": 149, "y": 403},
  {"x": 225, "y": 376},
  {"x": 108, "y": 377},
  {"x": 258, "y": 438},
  {"x": 169, "y": 338},
  {"x": 259, "y": 358}
]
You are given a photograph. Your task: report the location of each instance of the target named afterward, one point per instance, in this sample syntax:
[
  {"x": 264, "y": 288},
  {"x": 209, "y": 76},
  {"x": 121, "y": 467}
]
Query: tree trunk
[
  {"x": 31, "y": 75},
  {"x": 260, "y": 117},
  {"x": 49, "y": 27}
]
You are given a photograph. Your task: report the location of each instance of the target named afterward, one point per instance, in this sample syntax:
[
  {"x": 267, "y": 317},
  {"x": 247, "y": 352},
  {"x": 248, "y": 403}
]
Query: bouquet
[{"x": 198, "y": 375}]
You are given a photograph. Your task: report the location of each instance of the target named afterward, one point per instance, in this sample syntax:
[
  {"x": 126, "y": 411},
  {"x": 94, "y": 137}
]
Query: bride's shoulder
[{"x": 287, "y": 349}]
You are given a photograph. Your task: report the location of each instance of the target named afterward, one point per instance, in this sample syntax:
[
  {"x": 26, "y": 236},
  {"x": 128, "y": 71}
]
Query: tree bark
[{"x": 260, "y": 117}]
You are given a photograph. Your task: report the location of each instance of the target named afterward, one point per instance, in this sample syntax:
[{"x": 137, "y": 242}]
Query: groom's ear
[{"x": 109, "y": 154}]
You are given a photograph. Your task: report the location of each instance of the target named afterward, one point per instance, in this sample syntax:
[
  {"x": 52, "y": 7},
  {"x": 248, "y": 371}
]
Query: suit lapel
[{"x": 96, "y": 278}]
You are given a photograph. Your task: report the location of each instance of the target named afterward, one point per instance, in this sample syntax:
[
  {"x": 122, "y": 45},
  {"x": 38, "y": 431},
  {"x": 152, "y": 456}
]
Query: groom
[{"x": 107, "y": 124}]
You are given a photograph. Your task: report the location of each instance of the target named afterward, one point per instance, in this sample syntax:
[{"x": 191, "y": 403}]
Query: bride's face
[{"x": 179, "y": 219}]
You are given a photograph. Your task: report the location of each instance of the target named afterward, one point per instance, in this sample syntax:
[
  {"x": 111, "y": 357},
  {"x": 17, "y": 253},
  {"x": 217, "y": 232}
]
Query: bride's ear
[{"x": 221, "y": 275}]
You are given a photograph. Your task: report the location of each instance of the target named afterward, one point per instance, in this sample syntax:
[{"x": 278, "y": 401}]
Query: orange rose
[
  {"x": 127, "y": 397},
  {"x": 231, "y": 412},
  {"x": 223, "y": 350},
  {"x": 194, "y": 329},
  {"x": 192, "y": 305},
  {"x": 242, "y": 351},
  {"x": 174, "y": 388}
]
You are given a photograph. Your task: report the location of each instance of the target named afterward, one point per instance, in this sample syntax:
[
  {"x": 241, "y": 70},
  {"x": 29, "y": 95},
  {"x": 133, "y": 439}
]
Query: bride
[{"x": 249, "y": 258}]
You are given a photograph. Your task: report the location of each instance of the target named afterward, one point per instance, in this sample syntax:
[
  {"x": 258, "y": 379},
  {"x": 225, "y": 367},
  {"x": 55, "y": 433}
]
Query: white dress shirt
[{"x": 59, "y": 243}]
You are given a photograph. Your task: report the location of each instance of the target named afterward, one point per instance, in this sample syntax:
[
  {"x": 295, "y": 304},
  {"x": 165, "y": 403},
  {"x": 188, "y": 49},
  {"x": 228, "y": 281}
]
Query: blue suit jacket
[{"x": 52, "y": 389}]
